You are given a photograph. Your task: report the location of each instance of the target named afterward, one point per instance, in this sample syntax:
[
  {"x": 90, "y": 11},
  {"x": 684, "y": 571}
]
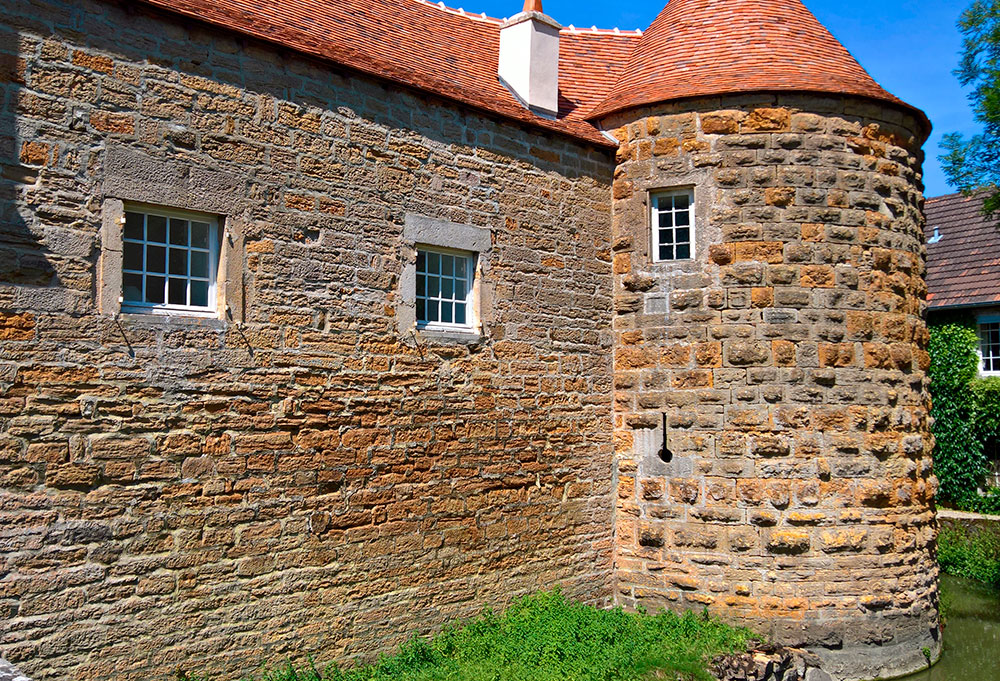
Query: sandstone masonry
[
  {"x": 205, "y": 494},
  {"x": 308, "y": 473},
  {"x": 788, "y": 361}
]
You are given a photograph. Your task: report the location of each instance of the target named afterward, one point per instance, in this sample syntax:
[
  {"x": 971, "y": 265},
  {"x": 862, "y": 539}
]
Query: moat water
[{"x": 971, "y": 634}]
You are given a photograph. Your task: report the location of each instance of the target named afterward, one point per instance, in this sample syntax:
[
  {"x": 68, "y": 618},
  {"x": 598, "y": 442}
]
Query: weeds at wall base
[{"x": 545, "y": 637}]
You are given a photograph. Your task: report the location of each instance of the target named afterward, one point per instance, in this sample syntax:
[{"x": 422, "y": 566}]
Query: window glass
[
  {"x": 989, "y": 346},
  {"x": 672, "y": 220},
  {"x": 443, "y": 286},
  {"x": 168, "y": 261}
]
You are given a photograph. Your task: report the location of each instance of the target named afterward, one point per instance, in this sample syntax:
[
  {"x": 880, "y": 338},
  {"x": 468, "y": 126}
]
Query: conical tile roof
[{"x": 700, "y": 48}]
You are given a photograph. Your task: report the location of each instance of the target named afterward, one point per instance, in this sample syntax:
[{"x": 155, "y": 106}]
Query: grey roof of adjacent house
[{"x": 963, "y": 264}]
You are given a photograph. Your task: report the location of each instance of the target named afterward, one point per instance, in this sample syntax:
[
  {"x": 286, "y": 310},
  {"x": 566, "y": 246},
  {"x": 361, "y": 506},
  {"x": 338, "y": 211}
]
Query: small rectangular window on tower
[
  {"x": 169, "y": 261},
  {"x": 672, "y": 221},
  {"x": 444, "y": 288}
]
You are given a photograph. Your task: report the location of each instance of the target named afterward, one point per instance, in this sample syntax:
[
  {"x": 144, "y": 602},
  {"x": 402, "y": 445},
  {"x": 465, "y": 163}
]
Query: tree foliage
[{"x": 974, "y": 163}]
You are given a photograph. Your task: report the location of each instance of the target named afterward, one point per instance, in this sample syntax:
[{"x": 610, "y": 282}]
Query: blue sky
[{"x": 909, "y": 46}]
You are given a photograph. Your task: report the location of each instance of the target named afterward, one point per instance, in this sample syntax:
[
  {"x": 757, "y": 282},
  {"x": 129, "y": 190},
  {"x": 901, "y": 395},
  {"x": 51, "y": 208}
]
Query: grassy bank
[
  {"x": 970, "y": 553},
  {"x": 546, "y": 637}
]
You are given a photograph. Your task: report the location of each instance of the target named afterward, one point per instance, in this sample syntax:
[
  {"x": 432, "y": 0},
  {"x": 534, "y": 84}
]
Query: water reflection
[{"x": 972, "y": 634}]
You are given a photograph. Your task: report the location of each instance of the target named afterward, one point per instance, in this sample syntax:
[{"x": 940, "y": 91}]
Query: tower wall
[{"x": 788, "y": 358}]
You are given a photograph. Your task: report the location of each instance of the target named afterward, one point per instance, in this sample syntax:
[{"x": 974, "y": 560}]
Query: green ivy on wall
[{"x": 966, "y": 411}]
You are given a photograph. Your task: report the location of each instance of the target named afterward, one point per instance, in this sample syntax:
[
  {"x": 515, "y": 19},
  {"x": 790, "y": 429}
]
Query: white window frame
[
  {"x": 166, "y": 308},
  {"x": 654, "y": 222},
  {"x": 470, "y": 286},
  {"x": 980, "y": 321}
]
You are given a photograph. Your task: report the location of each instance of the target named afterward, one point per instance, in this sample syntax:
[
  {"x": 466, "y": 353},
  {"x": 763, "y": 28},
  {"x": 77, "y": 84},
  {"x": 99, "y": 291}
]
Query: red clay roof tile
[
  {"x": 963, "y": 267},
  {"x": 695, "y": 47},
  {"x": 698, "y": 48}
]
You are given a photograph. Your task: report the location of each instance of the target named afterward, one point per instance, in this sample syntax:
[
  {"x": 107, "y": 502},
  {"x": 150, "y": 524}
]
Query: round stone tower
[{"x": 773, "y": 451}]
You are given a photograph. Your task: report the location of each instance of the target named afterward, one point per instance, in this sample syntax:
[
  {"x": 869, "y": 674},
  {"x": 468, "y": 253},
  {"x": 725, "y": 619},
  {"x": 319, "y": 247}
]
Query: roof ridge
[{"x": 461, "y": 12}]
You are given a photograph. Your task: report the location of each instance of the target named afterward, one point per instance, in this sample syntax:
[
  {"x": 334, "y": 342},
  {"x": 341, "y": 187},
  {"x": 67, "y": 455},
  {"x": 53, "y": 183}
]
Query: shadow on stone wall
[{"x": 24, "y": 257}]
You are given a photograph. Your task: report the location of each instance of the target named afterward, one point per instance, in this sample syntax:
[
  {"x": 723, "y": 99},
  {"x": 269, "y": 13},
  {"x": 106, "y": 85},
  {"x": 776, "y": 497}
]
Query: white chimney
[{"x": 529, "y": 58}]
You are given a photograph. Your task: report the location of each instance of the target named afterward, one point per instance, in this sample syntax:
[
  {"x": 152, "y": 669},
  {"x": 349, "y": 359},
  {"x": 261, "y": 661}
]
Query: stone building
[{"x": 324, "y": 322}]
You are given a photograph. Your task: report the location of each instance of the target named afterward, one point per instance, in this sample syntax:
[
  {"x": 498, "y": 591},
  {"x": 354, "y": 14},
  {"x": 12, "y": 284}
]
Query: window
[
  {"x": 989, "y": 345},
  {"x": 444, "y": 288},
  {"x": 169, "y": 261},
  {"x": 992, "y": 451},
  {"x": 672, "y": 222}
]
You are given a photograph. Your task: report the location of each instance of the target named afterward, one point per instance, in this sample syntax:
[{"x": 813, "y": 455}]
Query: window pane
[
  {"x": 421, "y": 262},
  {"x": 681, "y": 218},
  {"x": 446, "y": 312},
  {"x": 666, "y": 219},
  {"x": 421, "y": 313},
  {"x": 156, "y": 259},
  {"x": 460, "y": 313},
  {"x": 448, "y": 265},
  {"x": 432, "y": 310},
  {"x": 460, "y": 267},
  {"x": 683, "y": 251},
  {"x": 133, "y": 226},
  {"x": 199, "y": 264},
  {"x": 199, "y": 234},
  {"x": 433, "y": 287},
  {"x": 199, "y": 293},
  {"x": 681, "y": 201},
  {"x": 178, "y": 232},
  {"x": 421, "y": 285},
  {"x": 666, "y": 252},
  {"x": 132, "y": 256},
  {"x": 154, "y": 289},
  {"x": 178, "y": 261},
  {"x": 447, "y": 288},
  {"x": 460, "y": 292},
  {"x": 156, "y": 228},
  {"x": 433, "y": 263},
  {"x": 683, "y": 235},
  {"x": 132, "y": 287},
  {"x": 177, "y": 292}
]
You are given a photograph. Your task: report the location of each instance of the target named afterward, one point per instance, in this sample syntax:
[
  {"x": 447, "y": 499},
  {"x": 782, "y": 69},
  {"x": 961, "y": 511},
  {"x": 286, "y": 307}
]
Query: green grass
[
  {"x": 546, "y": 637},
  {"x": 972, "y": 554}
]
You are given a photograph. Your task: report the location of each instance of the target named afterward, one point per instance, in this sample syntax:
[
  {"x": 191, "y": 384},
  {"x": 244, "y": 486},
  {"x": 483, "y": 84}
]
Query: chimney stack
[{"x": 529, "y": 59}]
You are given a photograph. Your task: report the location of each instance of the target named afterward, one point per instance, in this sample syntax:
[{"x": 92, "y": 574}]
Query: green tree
[{"x": 974, "y": 163}]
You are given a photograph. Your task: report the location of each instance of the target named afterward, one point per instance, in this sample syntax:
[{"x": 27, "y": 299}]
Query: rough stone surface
[
  {"x": 789, "y": 363},
  {"x": 307, "y": 474},
  {"x": 200, "y": 495},
  {"x": 770, "y": 663},
  {"x": 9, "y": 672}
]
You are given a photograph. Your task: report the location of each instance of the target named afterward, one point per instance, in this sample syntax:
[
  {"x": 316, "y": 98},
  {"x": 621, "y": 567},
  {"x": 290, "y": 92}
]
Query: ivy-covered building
[{"x": 963, "y": 288}]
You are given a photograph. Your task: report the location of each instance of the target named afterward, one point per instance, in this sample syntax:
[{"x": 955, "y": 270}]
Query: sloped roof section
[
  {"x": 429, "y": 47},
  {"x": 694, "y": 48},
  {"x": 698, "y": 48},
  {"x": 963, "y": 266}
]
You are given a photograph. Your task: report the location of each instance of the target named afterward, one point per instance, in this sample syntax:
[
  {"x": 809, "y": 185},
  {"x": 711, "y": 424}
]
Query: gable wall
[{"x": 203, "y": 495}]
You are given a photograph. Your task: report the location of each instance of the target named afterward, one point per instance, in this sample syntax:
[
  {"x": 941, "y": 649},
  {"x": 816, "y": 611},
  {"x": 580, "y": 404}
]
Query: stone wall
[
  {"x": 301, "y": 477},
  {"x": 789, "y": 359}
]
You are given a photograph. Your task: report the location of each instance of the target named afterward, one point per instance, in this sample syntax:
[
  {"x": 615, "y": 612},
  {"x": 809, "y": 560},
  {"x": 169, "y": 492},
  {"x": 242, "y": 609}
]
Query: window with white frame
[
  {"x": 169, "y": 261},
  {"x": 989, "y": 345},
  {"x": 444, "y": 288},
  {"x": 672, "y": 221}
]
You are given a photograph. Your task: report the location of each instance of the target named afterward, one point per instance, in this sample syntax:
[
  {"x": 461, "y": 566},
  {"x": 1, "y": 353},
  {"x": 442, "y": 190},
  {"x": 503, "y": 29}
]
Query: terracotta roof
[
  {"x": 697, "y": 48},
  {"x": 429, "y": 47},
  {"x": 963, "y": 267}
]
